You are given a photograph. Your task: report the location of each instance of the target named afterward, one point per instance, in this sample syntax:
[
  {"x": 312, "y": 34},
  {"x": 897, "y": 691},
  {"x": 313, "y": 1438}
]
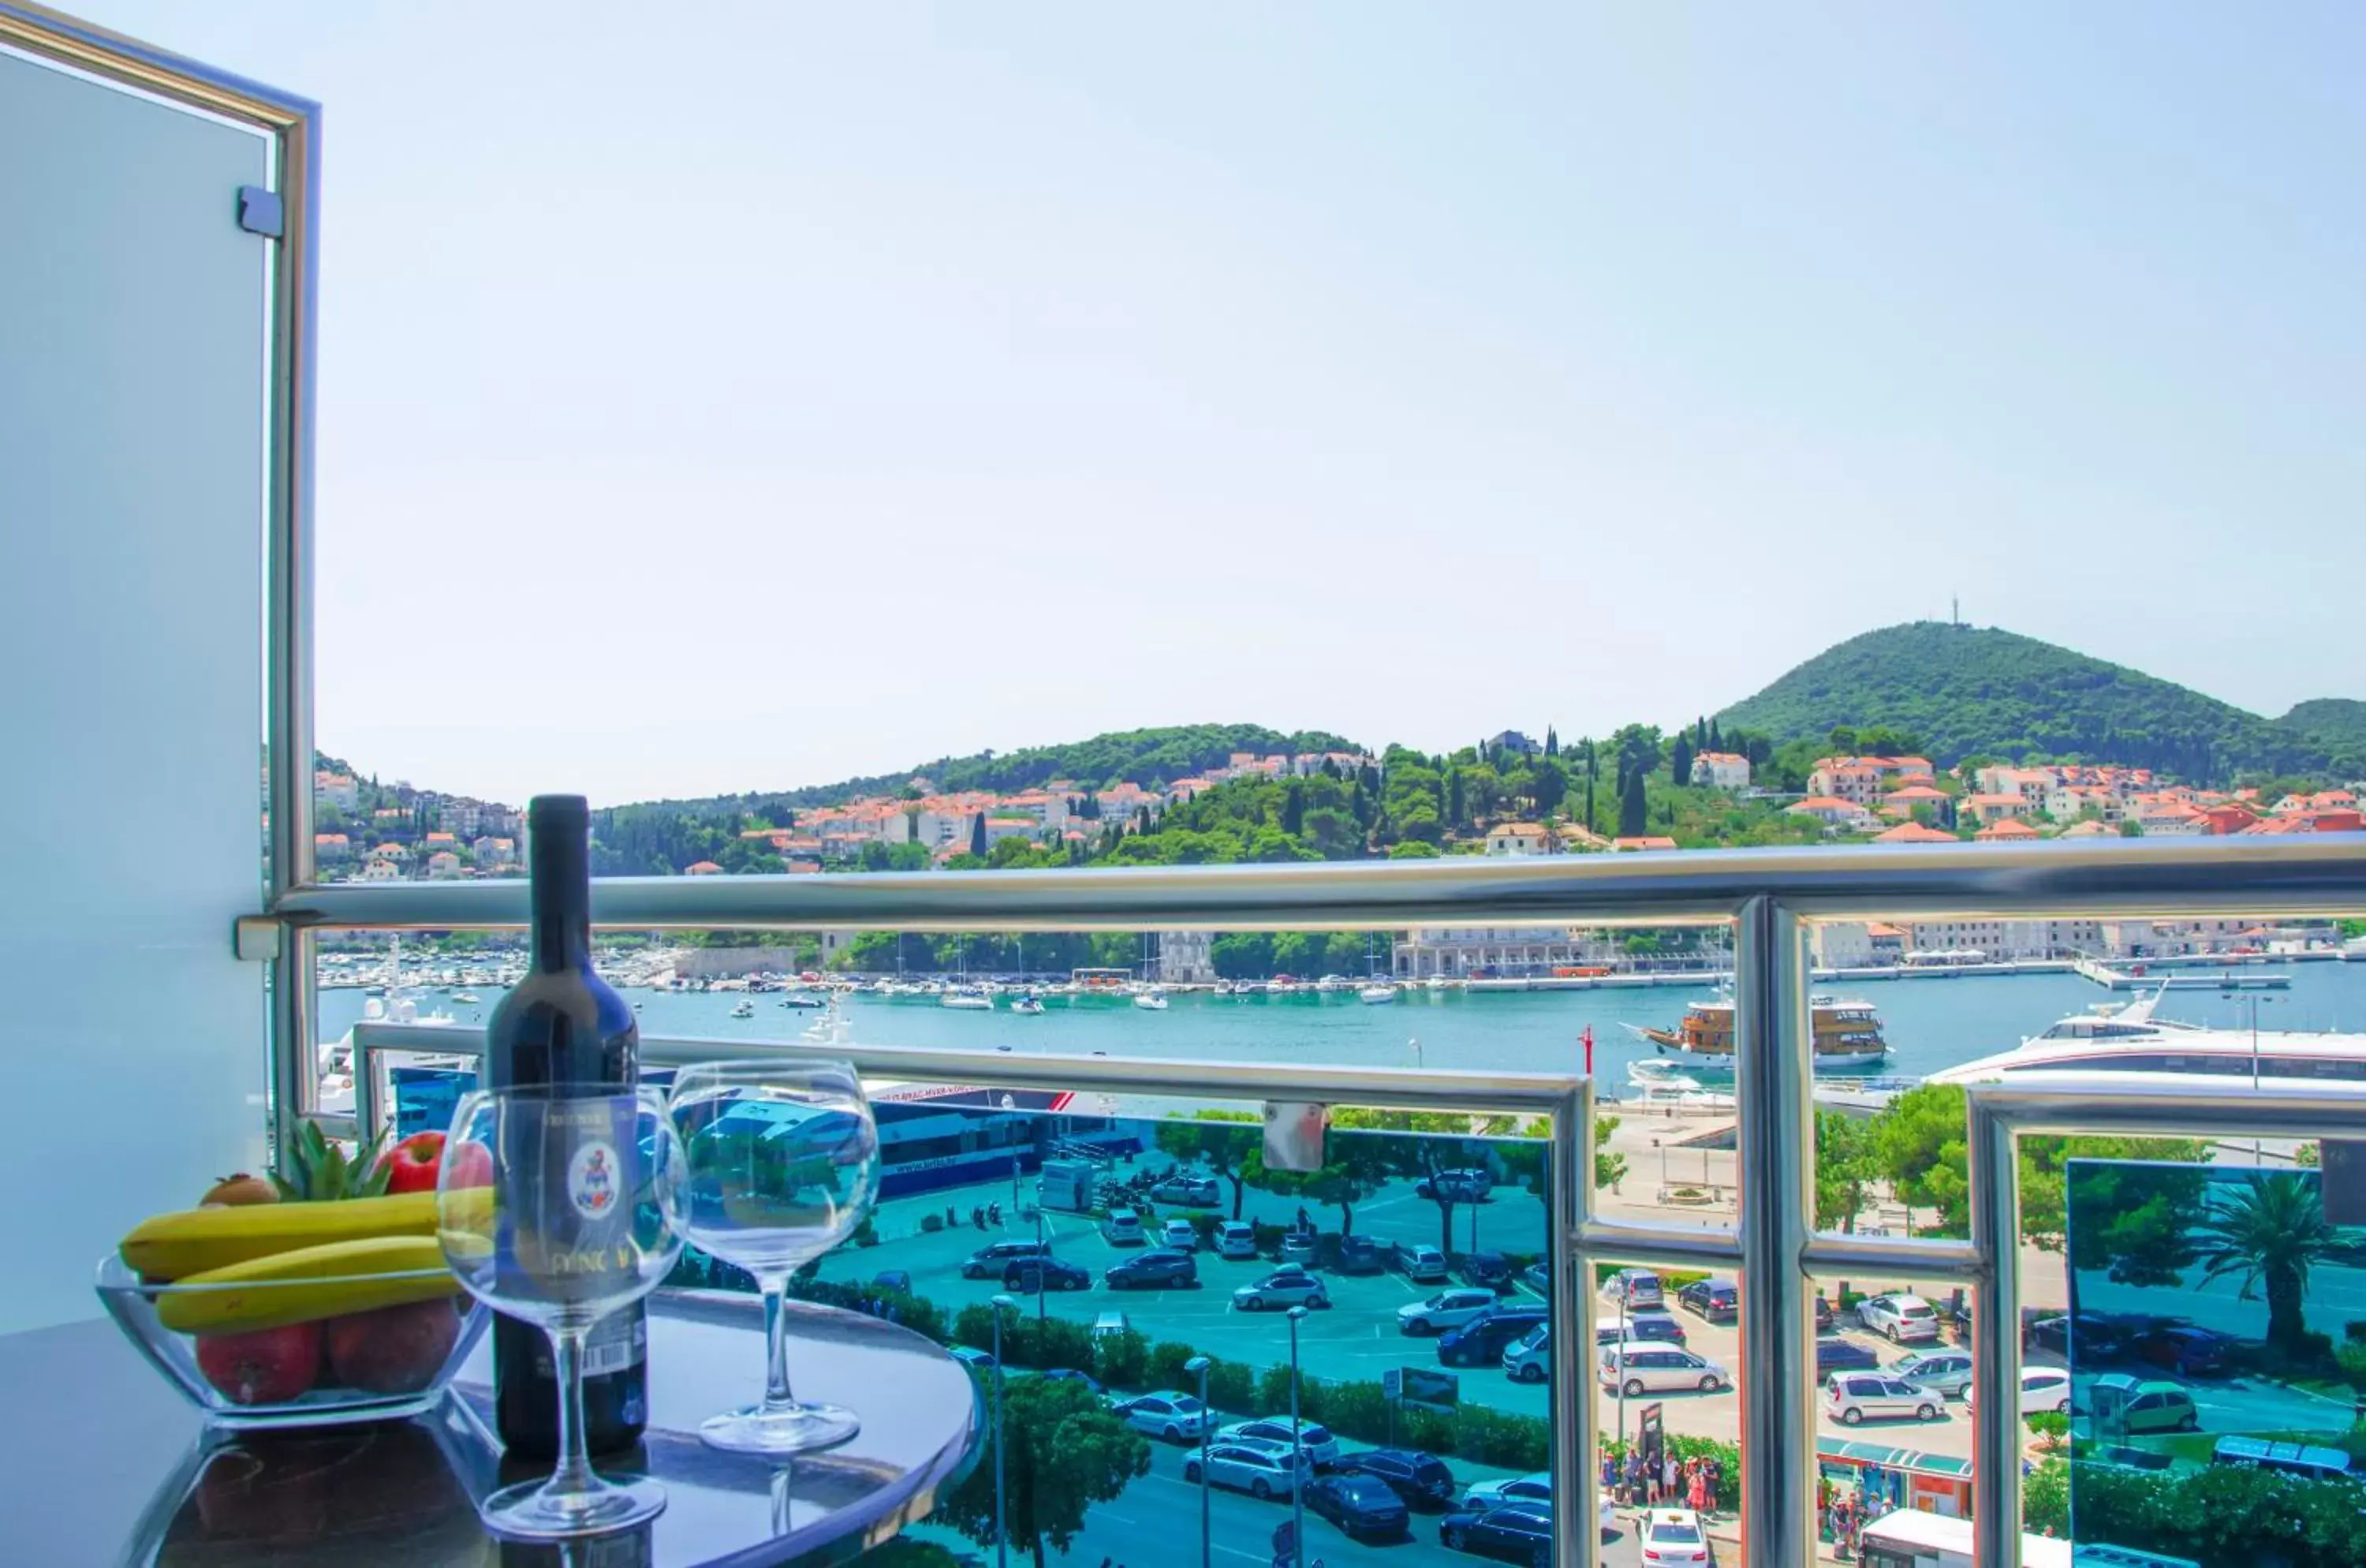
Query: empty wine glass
[
  {"x": 557, "y": 1205},
  {"x": 782, "y": 1161}
]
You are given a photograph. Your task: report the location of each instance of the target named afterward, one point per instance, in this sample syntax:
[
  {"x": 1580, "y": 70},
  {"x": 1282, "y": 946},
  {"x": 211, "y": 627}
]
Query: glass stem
[
  {"x": 574, "y": 1476},
  {"x": 777, "y": 1397}
]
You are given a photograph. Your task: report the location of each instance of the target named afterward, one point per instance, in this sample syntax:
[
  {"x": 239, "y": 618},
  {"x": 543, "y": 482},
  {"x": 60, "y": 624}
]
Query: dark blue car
[
  {"x": 1518, "y": 1532},
  {"x": 1836, "y": 1355}
]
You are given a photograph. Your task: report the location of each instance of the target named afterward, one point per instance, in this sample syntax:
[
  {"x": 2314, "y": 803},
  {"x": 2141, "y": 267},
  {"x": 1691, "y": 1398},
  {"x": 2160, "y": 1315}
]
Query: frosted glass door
[{"x": 132, "y": 429}]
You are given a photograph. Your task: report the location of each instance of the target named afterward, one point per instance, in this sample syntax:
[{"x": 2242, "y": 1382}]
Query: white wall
[{"x": 131, "y": 508}]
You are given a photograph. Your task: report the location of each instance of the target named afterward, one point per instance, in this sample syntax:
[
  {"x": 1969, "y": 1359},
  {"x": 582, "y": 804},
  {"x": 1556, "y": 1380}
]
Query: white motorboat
[
  {"x": 970, "y": 1001},
  {"x": 467, "y": 999},
  {"x": 832, "y": 1028},
  {"x": 1152, "y": 999},
  {"x": 1376, "y": 996},
  {"x": 1028, "y": 1006},
  {"x": 802, "y": 1000},
  {"x": 2131, "y": 1046},
  {"x": 745, "y": 1010}
]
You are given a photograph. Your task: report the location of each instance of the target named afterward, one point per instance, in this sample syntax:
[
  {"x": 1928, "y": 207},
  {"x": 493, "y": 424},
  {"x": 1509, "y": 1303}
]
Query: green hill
[
  {"x": 1142, "y": 756},
  {"x": 1967, "y": 691},
  {"x": 2335, "y": 725}
]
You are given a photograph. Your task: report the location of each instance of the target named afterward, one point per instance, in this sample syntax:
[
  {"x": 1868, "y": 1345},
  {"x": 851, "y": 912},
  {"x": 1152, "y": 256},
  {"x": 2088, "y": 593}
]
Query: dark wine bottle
[{"x": 563, "y": 1024}]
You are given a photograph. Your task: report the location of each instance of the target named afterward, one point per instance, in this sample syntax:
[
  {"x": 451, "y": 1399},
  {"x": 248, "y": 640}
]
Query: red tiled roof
[{"x": 1914, "y": 833}]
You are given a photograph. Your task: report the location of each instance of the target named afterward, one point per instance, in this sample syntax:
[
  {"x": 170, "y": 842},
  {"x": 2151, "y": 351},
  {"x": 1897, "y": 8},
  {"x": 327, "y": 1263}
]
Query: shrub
[
  {"x": 1268, "y": 1238},
  {"x": 866, "y": 1233},
  {"x": 1497, "y": 1438},
  {"x": 2354, "y": 1331},
  {"x": 1359, "y": 1410},
  {"x": 1122, "y": 1357},
  {"x": 1166, "y": 1369},
  {"x": 2352, "y": 1359},
  {"x": 1204, "y": 1227},
  {"x": 1676, "y": 1280},
  {"x": 1232, "y": 1386},
  {"x": 931, "y": 1222},
  {"x": 2051, "y": 1425}
]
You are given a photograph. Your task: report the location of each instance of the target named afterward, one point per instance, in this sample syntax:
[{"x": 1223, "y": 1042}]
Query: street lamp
[
  {"x": 1043, "y": 1268},
  {"x": 1297, "y": 1451},
  {"x": 1199, "y": 1364},
  {"x": 1001, "y": 1529}
]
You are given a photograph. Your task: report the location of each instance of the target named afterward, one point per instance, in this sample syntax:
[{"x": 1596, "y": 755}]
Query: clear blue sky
[{"x": 774, "y": 393}]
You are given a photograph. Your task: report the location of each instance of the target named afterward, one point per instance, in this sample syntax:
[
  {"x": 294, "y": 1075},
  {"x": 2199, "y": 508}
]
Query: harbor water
[{"x": 1931, "y": 1023}]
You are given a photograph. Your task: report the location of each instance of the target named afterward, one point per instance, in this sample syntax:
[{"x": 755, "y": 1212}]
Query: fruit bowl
[{"x": 282, "y": 1353}]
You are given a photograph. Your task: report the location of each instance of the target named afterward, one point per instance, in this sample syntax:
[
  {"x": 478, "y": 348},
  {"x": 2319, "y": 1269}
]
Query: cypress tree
[
  {"x": 1553, "y": 742},
  {"x": 1716, "y": 741},
  {"x": 1680, "y": 758},
  {"x": 977, "y": 835},
  {"x": 1631, "y": 806},
  {"x": 1454, "y": 800}
]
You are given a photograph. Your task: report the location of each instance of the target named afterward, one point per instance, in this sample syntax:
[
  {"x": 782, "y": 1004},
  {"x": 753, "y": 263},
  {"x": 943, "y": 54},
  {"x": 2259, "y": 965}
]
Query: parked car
[
  {"x": 1299, "y": 1246},
  {"x": 1029, "y": 1275},
  {"x": 1632, "y": 1288},
  {"x": 1852, "y": 1397},
  {"x": 893, "y": 1280},
  {"x": 1192, "y": 1191},
  {"x": 1481, "y": 1340},
  {"x": 1537, "y": 1489},
  {"x": 1838, "y": 1355},
  {"x": 1947, "y": 1373},
  {"x": 1901, "y": 1316},
  {"x": 1360, "y": 1255},
  {"x": 1529, "y": 1357},
  {"x": 1672, "y": 1536},
  {"x": 1656, "y": 1368},
  {"x": 1109, "y": 1323},
  {"x": 1712, "y": 1300},
  {"x": 1422, "y": 1480},
  {"x": 1322, "y": 1449},
  {"x": 1518, "y": 1532},
  {"x": 1537, "y": 1276},
  {"x": 2041, "y": 1388},
  {"x": 1824, "y": 1320},
  {"x": 1180, "y": 1235},
  {"x": 1283, "y": 1288},
  {"x": 2094, "y": 1338},
  {"x": 981, "y": 1363},
  {"x": 1486, "y": 1268},
  {"x": 988, "y": 1262},
  {"x": 1447, "y": 1309},
  {"x": 2120, "y": 1403},
  {"x": 1422, "y": 1265},
  {"x": 1160, "y": 1267},
  {"x": 2185, "y": 1351},
  {"x": 1261, "y": 1470},
  {"x": 1469, "y": 1184},
  {"x": 1365, "y": 1507},
  {"x": 1169, "y": 1415},
  {"x": 1235, "y": 1239},
  {"x": 1659, "y": 1328},
  {"x": 1123, "y": 1228}
]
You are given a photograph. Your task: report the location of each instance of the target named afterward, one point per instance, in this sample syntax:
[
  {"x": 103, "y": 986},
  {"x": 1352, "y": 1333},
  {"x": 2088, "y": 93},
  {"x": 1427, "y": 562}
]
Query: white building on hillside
[{"x": 1721, "y": 770}]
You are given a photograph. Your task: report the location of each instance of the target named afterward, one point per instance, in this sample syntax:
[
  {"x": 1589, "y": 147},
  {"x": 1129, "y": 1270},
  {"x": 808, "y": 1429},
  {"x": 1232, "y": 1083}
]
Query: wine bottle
[{"x": 564, "y": 1025}]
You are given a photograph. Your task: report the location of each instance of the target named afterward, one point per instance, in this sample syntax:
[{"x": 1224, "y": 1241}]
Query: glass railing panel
[{"x": 1665, "y": 1375}]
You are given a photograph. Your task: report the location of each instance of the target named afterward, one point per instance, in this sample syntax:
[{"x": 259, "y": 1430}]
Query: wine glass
[
  {"x": 782, "y": 1161},
  {"x": 557, "y": 1205}
]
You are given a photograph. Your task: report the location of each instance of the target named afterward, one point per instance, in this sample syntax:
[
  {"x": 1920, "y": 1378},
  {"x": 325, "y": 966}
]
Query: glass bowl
[{"x": 312, "y": 1365}]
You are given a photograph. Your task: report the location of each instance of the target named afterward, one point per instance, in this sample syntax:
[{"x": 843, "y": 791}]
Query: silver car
[
  {"x": 1282, "y": 1288},
  {"x": 1947, "y": 1373},
  {"x": 1658, "y": 1369},
  {"x": 1261, "y": 1470}
]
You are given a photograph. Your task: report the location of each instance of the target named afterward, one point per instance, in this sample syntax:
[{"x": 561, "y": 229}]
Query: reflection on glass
[{"x": 2215, "y": 1347}]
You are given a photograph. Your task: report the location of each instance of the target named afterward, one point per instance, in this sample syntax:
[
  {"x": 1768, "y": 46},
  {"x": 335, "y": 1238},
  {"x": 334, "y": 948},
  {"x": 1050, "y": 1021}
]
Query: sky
[{"x": 786, "y": 392}]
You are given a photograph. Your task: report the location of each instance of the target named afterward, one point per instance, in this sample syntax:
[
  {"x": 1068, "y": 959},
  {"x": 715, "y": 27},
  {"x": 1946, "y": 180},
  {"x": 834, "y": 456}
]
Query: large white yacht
[{"x": 2128, "y": 1043}]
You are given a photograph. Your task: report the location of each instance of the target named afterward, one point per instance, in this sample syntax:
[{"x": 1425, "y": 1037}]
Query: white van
[
  {"x": 1910, "y": 1538},
  {"x": 1235, "y": 1239},
  {"x": 1658, "y": 1369}
]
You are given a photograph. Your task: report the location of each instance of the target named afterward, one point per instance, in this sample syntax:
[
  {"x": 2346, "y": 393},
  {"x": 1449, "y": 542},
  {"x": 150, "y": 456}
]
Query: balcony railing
[{"x": 1769, "y": 897}]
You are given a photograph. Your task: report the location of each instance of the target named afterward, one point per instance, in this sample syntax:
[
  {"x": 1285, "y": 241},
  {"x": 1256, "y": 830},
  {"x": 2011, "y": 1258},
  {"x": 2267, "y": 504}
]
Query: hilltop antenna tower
[{"x": 1955, "y": 610}]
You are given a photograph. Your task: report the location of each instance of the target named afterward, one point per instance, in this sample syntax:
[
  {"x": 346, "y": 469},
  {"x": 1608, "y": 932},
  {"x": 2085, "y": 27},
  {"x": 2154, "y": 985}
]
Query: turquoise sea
[{"x": 1931, "y": 1023}]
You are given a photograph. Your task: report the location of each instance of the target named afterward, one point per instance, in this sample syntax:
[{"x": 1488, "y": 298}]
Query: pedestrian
[
  {"x": 1673, "y": 1474},
  {"x": 1699, "y": 1493},
  {"x": 1609, "y": 1472}
]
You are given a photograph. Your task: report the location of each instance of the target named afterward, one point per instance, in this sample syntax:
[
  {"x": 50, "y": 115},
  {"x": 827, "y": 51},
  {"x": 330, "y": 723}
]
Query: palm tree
[{"x": 2269, "y": 1231}]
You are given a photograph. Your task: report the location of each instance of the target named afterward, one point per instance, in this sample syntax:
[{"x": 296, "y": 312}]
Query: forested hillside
[{"x": 1970, "y": 692}]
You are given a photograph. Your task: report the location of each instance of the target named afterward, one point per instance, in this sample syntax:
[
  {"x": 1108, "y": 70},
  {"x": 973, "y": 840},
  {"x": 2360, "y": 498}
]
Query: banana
[
  {"x": 173, "y": 1246},
  {"x": 308, "y": 1284}
]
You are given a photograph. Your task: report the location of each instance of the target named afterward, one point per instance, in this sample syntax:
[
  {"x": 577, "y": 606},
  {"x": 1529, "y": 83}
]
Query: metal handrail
[{"x": 2136, "y": 878}]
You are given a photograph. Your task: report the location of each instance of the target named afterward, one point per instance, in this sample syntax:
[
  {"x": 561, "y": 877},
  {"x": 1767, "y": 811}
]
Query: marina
[{"x": 1927, "y": 1029}]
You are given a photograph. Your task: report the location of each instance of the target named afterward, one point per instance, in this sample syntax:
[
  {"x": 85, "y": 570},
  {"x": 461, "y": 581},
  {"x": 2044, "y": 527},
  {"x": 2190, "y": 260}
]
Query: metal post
[
  {"x": 1996, "y": 1339},
  {"x": 1001, "y": 1497},
  {"x": 1776, "y": 1130},
  {"x": 1199, "y": 1364},
  {"x": 1297, "y": 1451},
  {"x": 1569, "y": 1164},
  {"x": 1042, "y": 1259}
]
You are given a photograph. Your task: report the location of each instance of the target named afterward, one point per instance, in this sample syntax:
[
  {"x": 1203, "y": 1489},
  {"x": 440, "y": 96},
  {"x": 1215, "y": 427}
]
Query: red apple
[
  {"x": 269, "y": 1366},
  {"x": 472, "y": 1164},
  {"x": 411, "y": 1165},
  {"x": 395, "y": 1349}
]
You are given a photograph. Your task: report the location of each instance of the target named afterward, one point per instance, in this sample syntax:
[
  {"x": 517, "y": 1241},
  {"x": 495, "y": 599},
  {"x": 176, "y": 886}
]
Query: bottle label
[{"x": 616, "y": 1343}]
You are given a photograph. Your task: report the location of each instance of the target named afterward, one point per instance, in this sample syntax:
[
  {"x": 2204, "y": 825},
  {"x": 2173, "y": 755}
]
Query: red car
[{"x": 2185, "y": 1351}]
